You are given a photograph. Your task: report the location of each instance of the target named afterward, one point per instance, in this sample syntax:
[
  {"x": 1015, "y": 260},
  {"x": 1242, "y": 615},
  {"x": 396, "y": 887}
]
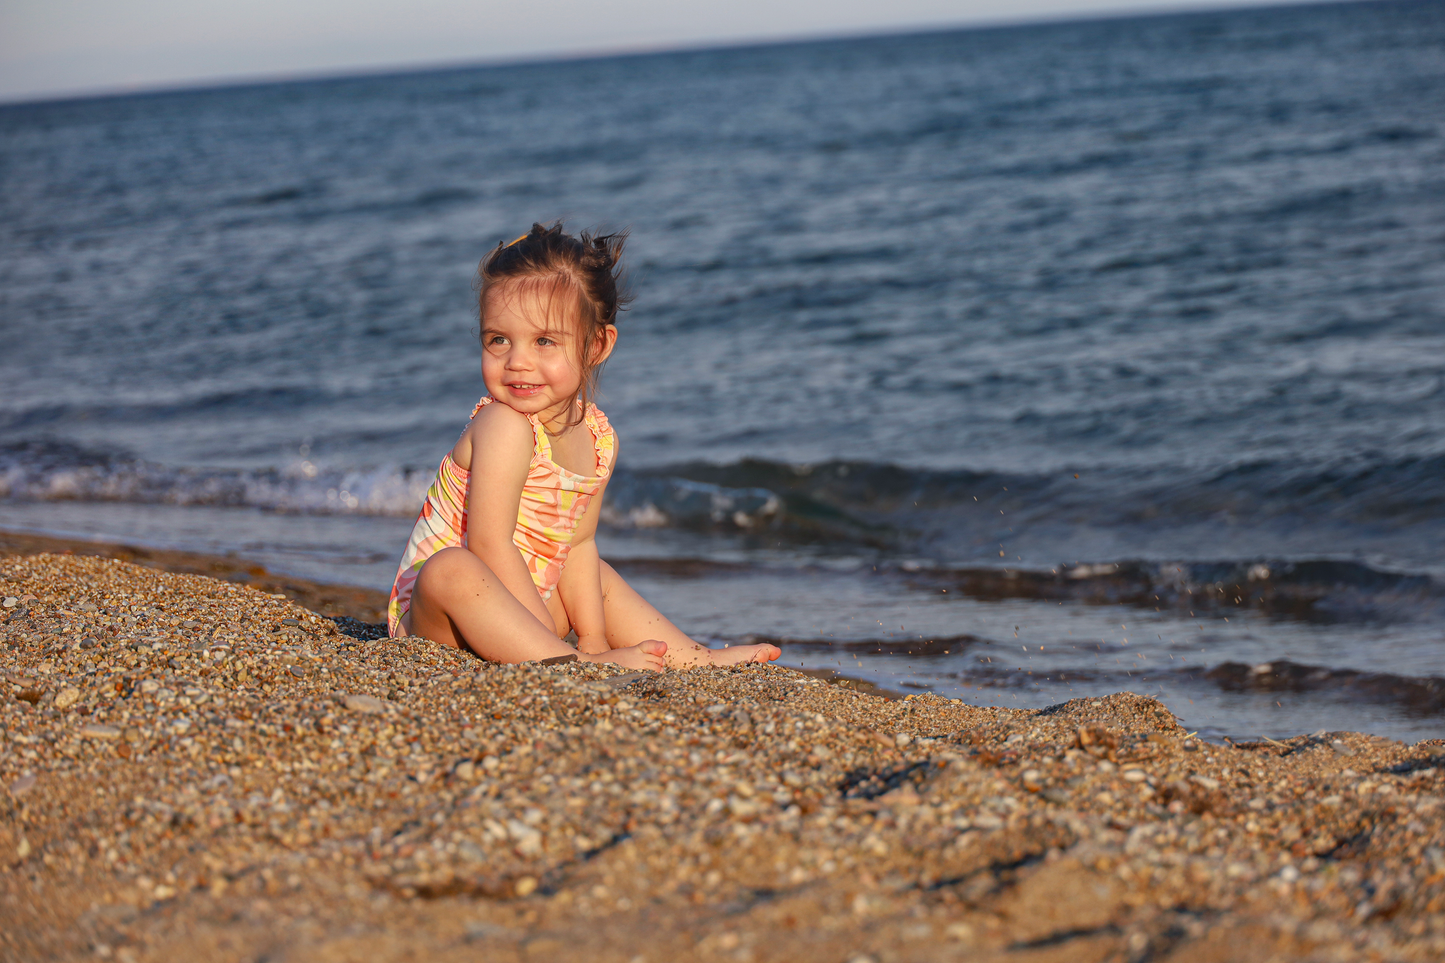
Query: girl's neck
[{"x": 555, "y": 421}]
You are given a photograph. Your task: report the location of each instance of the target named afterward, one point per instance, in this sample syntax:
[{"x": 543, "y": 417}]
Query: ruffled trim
[{"x": 604, "y": 440}]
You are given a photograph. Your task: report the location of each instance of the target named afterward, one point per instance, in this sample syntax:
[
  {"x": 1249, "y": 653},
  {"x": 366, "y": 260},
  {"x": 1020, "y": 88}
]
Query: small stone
[
  {"x": 466, "y": 770},
  {"x": 525, "y": 886},
  {"x": 743, "y": 808},
  {"x": 359, "y": 702},
  {"x": 22, "y": 785},
  {"x": 481, "y": 930},
  {"x": 11, "y": 601},
  {"x": 67, "y": 698},
  {"x": 96, "y": 731},
  {"x": 959, "y": 932},
  {"x": 1341, "y": 749},
  {"x": 1134, "y": 775},
  {"x": 902, "y": 739},
  {"x": 23, "y": 849}
]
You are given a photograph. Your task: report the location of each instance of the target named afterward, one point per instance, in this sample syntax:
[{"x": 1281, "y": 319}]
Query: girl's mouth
[{"x": 524, "y": 390}]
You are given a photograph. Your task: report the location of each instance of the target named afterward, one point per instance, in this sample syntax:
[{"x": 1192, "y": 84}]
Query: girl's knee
[{"x": 447, "y": 569}]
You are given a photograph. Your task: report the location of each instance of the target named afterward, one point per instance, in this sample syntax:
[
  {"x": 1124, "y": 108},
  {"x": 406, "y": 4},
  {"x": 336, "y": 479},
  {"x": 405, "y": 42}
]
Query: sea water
[{"x": 1017, "y": 364}]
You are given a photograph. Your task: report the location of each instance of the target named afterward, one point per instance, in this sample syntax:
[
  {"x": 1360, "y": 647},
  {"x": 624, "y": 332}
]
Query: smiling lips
[{"x": 523, "y": 390}]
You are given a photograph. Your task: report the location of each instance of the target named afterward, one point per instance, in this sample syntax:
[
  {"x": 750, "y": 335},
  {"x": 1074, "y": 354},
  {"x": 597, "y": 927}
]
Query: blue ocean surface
[{"x": 1017, "y": 364}]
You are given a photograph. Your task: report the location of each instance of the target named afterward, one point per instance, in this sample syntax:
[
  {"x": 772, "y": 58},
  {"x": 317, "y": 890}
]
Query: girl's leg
[
  {"x": 458, "y": 601},
  {"x": 630, "y": 617}
]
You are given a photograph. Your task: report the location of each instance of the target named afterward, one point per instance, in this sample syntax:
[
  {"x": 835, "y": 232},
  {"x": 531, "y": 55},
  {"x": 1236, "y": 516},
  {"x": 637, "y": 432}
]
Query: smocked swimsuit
[{"x": 553, "y": 503}]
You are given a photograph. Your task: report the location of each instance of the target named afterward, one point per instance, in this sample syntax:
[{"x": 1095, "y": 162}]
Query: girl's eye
[
  {"x": 496, "y": 339},
  {"x": 545, "y": 341}
]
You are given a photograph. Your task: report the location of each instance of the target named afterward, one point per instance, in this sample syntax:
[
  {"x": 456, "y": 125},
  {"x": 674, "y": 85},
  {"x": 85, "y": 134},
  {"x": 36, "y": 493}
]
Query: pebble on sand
[{"x": 365, "y": 703}]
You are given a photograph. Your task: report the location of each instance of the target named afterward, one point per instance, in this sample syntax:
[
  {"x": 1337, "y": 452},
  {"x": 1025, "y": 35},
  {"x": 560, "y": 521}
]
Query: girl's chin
[{"x": 535, "y": 403}]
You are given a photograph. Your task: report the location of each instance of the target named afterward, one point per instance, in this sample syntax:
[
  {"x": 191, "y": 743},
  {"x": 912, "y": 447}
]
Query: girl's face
[{"x": 532, "y": 353}]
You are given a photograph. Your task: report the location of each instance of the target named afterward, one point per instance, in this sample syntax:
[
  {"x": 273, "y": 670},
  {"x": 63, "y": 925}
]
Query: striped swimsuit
[{"x": 553, "y": 503}]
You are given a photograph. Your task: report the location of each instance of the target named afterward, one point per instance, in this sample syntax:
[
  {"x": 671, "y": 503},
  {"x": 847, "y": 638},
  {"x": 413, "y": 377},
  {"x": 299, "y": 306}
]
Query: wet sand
[
  {"x": 194, "y": 768},
  {"x": 363, "y": 604}
]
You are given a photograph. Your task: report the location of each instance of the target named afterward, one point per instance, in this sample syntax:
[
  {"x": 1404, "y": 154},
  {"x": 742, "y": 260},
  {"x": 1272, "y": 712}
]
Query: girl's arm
[
  {"x": 502, "y": 444},
  {"x": 581, "y": 582}
]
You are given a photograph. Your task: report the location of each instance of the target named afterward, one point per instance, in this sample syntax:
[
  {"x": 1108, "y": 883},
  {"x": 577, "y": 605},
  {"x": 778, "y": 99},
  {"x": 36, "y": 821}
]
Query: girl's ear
[{"x": 602, "y": 347}]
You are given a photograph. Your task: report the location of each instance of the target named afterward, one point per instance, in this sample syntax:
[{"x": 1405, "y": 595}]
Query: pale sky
[{"x": 53, "y": 47}]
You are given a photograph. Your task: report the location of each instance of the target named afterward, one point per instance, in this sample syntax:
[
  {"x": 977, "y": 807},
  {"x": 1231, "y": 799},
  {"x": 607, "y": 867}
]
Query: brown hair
[{"x": 588, "y": 266}]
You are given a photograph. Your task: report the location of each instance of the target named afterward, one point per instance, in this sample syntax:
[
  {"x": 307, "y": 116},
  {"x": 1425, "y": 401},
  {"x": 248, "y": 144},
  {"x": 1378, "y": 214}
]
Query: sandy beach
[{"x": 197, "y": 768}]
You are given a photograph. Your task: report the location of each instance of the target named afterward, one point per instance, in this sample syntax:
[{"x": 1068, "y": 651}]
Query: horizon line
[{"x": 622, "y": 51}]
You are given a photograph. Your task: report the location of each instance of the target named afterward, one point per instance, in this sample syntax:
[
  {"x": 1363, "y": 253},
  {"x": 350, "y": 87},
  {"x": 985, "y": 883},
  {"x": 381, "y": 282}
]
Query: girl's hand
[{"x": 642, "y": 656}]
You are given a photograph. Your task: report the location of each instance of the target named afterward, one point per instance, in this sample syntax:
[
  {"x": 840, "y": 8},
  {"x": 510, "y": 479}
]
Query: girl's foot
[
  {"x": 642, "y": 656},
  {"x": 738, "y": 654}
]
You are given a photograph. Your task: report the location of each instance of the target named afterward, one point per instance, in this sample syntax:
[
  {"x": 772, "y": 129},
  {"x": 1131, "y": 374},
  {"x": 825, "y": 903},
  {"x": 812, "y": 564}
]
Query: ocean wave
[
  {"x": 52, "y": 471},
  {"x": 1364, "y": 487},
  {"x": 876, "y": 504},
  {"x": 1416, "y": 695},
  {"x": 1323, "y": 591},
  {"x": 58, "y": 471}
]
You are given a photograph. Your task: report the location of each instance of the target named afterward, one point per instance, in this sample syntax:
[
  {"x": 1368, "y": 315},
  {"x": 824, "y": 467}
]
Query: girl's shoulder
[
  {"x": 498, "y": 429},
  {"x": 490, "y": 409}
]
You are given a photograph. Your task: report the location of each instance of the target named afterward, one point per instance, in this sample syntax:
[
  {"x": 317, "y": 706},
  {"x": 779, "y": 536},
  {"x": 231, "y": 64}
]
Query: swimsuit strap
[{"x": 542, "y": 445}]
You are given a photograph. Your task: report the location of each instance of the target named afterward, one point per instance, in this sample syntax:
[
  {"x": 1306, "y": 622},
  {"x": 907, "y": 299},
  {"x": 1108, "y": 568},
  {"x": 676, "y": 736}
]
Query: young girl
[{"x": 502, "y": 559}]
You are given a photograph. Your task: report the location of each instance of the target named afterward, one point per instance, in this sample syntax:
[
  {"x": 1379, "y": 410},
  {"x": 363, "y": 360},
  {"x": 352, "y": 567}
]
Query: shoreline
[
  {"x": 325, "y": 598},
  {"x": 193, "y": 768}
]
